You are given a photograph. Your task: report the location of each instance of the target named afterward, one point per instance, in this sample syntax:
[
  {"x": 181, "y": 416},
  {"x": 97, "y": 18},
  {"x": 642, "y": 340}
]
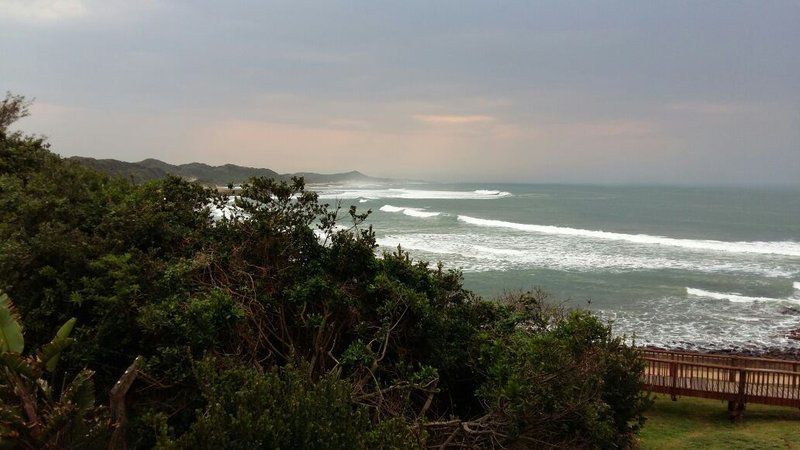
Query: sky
[{"x": 675, "y": 92}]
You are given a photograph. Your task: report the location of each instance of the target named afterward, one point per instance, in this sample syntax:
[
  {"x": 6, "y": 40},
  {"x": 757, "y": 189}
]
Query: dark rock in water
[
  {"x": 794, "y": 334},
  {"x": 790, "y": 311},
  {"x": 789, "y": 353}
]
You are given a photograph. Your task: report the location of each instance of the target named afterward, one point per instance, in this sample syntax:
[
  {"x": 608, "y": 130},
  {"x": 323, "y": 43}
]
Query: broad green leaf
[
  {"x": 11, "y": 339},
  {"x": 76, "y": 401},
  {"x": 65, "y": 329},
  {"x": 80, "y": 391},
  {"x": 51, "y": 352}
]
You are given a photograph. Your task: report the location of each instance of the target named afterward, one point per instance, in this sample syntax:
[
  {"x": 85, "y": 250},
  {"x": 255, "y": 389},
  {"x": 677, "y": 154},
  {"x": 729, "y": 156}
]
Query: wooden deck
[{"x": 739, "y": 380}]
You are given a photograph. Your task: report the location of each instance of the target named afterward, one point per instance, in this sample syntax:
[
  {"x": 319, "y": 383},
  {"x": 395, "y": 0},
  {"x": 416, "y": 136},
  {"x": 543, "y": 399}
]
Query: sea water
[{"x": 670, "y": 266}]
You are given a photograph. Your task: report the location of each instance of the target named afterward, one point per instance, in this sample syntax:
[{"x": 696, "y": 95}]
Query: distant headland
[{"x": 152, "y": 169}]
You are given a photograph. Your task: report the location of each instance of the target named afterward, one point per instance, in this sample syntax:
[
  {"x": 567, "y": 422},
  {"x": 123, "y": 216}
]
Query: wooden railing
[
  {"x": 724, "y": 360},
  {"x": 739, "y": 380}
]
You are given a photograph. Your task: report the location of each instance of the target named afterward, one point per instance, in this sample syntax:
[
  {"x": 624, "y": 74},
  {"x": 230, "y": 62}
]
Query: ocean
[{"x": 684, "y": 267}]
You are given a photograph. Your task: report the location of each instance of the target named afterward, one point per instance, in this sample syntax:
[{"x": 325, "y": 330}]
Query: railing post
[
  {"x": 736, "y": 412},
  {"x": 673, "y": 373},
  {"x": 732, "y": 380}
]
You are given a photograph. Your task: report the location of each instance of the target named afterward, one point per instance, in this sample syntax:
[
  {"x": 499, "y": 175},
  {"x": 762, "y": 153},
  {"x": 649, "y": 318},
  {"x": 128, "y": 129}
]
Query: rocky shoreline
[{"x": 790, "y": 353}]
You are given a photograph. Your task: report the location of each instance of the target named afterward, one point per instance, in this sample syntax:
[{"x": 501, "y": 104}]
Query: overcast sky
[{"x": 610, "y": 92}]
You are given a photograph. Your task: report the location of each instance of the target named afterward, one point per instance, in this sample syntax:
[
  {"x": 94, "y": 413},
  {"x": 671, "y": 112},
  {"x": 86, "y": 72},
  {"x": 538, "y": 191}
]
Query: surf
[
  {"x": 409, "y": 211},
  {"x": 411, "y": 194},
  {"x": 785, "y": 248},
  {"x": 480, "y": 252},
  {"x": 736, "y": 297}
]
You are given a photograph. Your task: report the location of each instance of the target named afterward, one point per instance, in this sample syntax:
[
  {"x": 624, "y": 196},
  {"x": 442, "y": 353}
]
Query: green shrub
[
  {"x": 283, "y": 408},
  {"x": 570, "y": 383},
  {"x": 34, "y": 414}
]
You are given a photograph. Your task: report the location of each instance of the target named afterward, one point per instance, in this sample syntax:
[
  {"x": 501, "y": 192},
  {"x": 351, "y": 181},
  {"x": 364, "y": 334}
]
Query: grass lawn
[{"x": 700, "y": 423}]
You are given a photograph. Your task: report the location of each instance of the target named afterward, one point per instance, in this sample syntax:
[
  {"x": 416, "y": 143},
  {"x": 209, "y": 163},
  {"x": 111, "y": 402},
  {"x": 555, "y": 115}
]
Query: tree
[{"x": 12, "y": 108}]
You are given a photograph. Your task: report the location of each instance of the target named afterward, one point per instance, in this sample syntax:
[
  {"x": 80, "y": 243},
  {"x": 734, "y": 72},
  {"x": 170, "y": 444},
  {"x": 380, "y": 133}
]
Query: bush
[
  {"x": 570, "y": 382},
  {"x": 34, "y": 414},
  {"x": 283, "y": 408}
]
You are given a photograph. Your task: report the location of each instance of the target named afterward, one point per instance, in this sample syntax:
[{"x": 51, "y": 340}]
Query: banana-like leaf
[
  {"x": 65, "y": 329},
  {"x": 20, "y": 365},
  {"x": 80, "y": 391},
  {"x": 11, "y": 339},
  {"x": 51, "y": 352},
  {"x": 66, "y": 416}
]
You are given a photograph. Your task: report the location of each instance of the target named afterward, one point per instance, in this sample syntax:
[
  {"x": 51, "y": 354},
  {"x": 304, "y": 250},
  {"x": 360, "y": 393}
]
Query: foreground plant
[{"x": 32, "y": 415}]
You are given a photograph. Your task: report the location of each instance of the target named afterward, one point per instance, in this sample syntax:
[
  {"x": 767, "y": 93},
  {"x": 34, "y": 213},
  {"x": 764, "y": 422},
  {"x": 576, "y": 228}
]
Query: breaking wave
[
  {"x": 478, "y": 252},
  {"x": 413, "y": 212},
  {"x": 787, "y": 248},
  {"x": 492, "y": 192},
  {"x": 736, "y": 297},
  {"x": 375, "y": 194}
]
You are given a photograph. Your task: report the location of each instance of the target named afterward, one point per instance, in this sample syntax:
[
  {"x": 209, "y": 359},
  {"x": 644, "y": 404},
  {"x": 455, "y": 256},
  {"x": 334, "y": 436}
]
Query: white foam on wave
[
  {"x": 786, "y": 248},
  {"x": 735, "y": 297},
  {"x": 227, "y": 210},
  {"x": 479, "y": 252},
  {"x": 403, "y": 193},
  {"x": 419, "y": 213},
  {"x": 662, "y": 321},
  {"x": 491, "y": 192},
  {"x": 362, "y": 200},
  {"x": 796, "y": 286},
  {"x": 413, "y": 212},
  {"x": 324, "y": 235}
]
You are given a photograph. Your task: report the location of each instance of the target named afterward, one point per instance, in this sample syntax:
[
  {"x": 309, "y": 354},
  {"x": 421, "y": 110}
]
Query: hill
[{"x": 153, "y": 169}]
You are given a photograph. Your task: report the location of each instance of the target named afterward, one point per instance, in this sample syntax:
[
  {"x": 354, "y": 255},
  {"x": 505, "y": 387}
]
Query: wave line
[
  {"x": 413, "y": 212},
  {"x": 786, "y": 248},
  {"x": 735, "y": 297}
]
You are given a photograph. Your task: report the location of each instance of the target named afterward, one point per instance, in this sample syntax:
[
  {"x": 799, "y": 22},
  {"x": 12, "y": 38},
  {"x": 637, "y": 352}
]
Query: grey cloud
[{"x": 552, "y": 91}]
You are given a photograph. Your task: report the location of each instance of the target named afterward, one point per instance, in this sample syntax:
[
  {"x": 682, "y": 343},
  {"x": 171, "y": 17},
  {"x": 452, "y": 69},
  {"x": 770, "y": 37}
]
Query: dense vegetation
[{"x": 275, "y": 326}]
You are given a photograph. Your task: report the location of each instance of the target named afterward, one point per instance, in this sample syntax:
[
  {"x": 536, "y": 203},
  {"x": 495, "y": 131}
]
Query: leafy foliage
[
  {"x": 569, "y": 382},
  {"x": 10, "y": 330},
  {"x": 283, "y": 408},
  {"x": 31, "y": 415},
  {"x": 276, "y": 323}
]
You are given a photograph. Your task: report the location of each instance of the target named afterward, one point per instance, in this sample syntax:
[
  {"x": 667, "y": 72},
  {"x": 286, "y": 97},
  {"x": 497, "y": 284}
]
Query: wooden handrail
[
  {"x": 742, "y": 380},
  {"x": 719, "y": 355},
  {"x": 718, "y": 366}
]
